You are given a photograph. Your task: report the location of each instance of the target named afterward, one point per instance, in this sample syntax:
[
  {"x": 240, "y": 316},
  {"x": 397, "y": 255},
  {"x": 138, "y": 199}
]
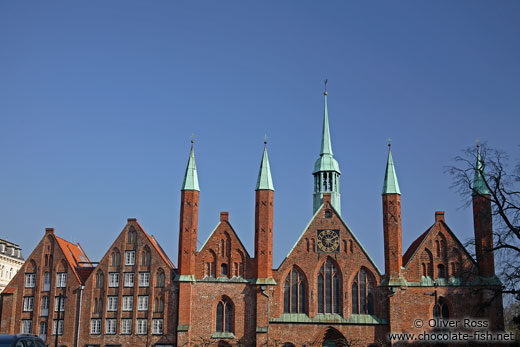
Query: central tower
[{"x": 326, "y": 169}]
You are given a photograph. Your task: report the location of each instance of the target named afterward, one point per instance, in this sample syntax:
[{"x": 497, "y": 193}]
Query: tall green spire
[
  {"x": 264, "y": 181},
  {"x": 390, "y": 186},
  {"x": 326, "y": 169},
  {"x": 191, "y": 180},
  {"x": 326, "y": 147},
  {"x": 479, "y": 185}
]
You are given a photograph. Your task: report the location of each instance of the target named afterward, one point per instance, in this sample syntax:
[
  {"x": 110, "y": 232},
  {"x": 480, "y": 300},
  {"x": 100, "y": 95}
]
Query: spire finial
[
  {"x": 478, "y": 143},
  {"x": 325, "y": 92},
  {"x": 192, "y": 138},
  {"x": 389, "y": 142},
  {"x": 265, "y": 139}
]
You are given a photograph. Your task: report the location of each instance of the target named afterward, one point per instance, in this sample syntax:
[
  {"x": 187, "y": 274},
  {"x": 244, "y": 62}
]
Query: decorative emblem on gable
[{"x": 328, "y": 241}]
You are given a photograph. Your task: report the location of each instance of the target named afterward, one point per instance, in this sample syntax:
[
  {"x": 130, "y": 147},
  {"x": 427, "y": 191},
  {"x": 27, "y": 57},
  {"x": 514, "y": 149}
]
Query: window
[
  {"x": 26, "y": 326},
  {"x": 225, "y": 315},
  {"x": 59, "y": 300},
  {"x": 113, "y": 279},
  {"x": 43, "y": 330},
  {"x": 294, "y": 292},
  {"x": 128, "y": 303},
  {"x": 223, "y": 269},
  {"x": 46, "y": 281},
  {"x": 30, "y": 280},
  {"x": 110, "y": 326},
  {"x": 157, "y": 326},
  {"x": 100, "y": 280},
  {"x": 28, "y": 303},
  {"x": 45, "y": 306},
  {"x": 95, "y": 326},
  {"x": 57, "y": 327},
  {"x": 132, "y": 235},
  {"x": 129, "y": 279},
  {"x": 159, "y": 305},
  {"x": 61, "y": 280},
  {"x": 142, "y": 326},
  {"x": 328, "y": 214},
  {"x": 130, "y": 258},
  {"x": 144, "y": 279},
  {"x": 126, "y": 326},
  {"x": 329, "y": 288},
  {"x": 159, "y": 279},
  {"x": 112, "y": 303},
  {"x": 142, "y": 302},
  {"x": 363, "y": 293},
  {"x": 440, "y": 271}
]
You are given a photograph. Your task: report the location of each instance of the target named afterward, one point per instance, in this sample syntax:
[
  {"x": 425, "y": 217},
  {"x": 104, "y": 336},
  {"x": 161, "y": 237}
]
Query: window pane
[
  {"x": 355, "y": 308},
  {"x": 328, "y": 287},
  {"x": 320, "y": 293},
  {"x": 294, "y": 291},
  {"x": 220, "y": 316},
  {"x": 337, "y": 294},
  {"x": 286, "y": 295},
  {"x": 302, "y": 297},
  {"x": 229, "y": 317}
]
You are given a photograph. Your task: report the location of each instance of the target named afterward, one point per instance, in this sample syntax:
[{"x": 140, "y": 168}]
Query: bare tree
[{"x": 503, "y": 183}]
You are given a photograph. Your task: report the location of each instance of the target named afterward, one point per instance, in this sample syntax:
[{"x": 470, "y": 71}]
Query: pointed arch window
[
  {"x": 363, "y": 293},
  {"x": 159, "y": 279},
  {"x": 294, "y": 292},
  {"x": 100, "y": 280},
  {"x": 145, "y": 258},
  {"x": 224, "y": 316},
  {"x": 329, "y": 288},
  {"x": 441, "y": 272}
]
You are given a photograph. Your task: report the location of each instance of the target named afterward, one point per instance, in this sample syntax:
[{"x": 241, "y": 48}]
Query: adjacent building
[{"x": 11, "y": 260}]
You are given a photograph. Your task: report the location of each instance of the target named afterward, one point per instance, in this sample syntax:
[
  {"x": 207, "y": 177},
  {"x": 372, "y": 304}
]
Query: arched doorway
[{"x": 330, "y": 337}]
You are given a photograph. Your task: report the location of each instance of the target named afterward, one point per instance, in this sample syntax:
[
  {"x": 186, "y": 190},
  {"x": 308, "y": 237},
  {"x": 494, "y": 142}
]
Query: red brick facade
[{"x": 326, "y": 289}]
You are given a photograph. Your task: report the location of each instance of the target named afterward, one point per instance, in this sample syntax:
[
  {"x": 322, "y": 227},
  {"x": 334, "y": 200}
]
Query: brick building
[{"x": 326, "y": 292}]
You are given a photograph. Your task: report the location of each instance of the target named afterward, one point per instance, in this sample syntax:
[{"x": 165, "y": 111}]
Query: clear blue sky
[{"x": 98, "y": 100}]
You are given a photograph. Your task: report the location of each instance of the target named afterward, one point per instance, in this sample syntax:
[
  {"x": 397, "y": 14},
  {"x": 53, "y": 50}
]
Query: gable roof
[
  {"x": 75, "y": 257},
  {"x": 154, "y": 244},
  {"x": 346, "y": 227},
  {"x": 232, "y": 230},
  {"x": 414, "y": 247}
]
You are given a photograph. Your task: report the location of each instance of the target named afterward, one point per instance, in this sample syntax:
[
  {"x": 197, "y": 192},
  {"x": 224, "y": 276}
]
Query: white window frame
[
  {"x": 60, "y": 326},
  {"x": 113, "y": 279},
  {"x": 157, "y": 326},
  {"x": 45, "y": 306},
  {"x": 46, "y": 281},
  {"x": 26, "y": 327},
  {"x": 30, "y": 280},
  {"x": 144, "y": 279},
  {"x": 128, "y": 303},
  {"x": 126, "y": 326},
  {"x": 95, "y": 326},
  {"x": 142, "y": 303},
  {"x": 56, "y": 301},
  {"x": 28, "y": 303},
  {"x": 112, "y": 303},
  {"x": 129, "y": 257},
  {"x": 110, "y": 326},
  {"x": 129, "y": 279},
  {"x": 61, "y": 280},
  {"x": 142, "y": 326}
]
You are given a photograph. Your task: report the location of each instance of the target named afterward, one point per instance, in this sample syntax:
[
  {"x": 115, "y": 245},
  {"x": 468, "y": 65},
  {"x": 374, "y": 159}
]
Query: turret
[
  {"x": 392, "y": 228},
  {"x": 264, "y": 222},
  {"x": 326, "y": 169},
  {"x": 483, "y": 221}
]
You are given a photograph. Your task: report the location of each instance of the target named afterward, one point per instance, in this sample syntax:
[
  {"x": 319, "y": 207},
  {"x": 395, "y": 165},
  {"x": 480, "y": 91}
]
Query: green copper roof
[
  {"x": 265, "y": 181},
  {"x": 390, "y": 186},
  {"x": 191, "y": 180},
  {"x": 326, "y": 147},
  {"x": 479, "y": 185},
  {"x": 326, "y": 162}
]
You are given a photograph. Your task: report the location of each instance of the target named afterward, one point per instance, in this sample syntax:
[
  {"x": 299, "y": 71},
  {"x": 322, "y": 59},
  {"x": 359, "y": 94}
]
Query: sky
[{"x": 98, "y": 100}]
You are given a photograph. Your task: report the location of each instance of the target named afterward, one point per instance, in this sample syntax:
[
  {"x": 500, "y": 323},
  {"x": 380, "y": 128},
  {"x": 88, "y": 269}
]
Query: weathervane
[
  {"x": 325, "y": 92},
  {"x": 192, "y": 137},
  {"x": 265, "y": 139},
  {"x": 389, "y": 142}
]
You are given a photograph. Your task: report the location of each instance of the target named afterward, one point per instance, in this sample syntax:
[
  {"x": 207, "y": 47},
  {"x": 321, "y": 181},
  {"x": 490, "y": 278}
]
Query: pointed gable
[
  {"x": 223, "y": 250},
  {"x": 76, "y": 258},
  {"x": 437, "y": 253}
]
